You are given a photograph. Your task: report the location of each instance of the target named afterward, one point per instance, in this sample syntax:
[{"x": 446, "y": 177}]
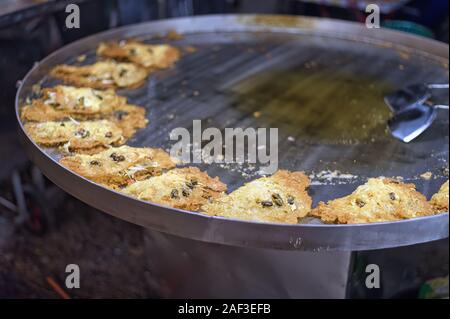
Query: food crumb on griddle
[
  {"x": 328, "y": 177},
  {"x": 189, "y": 49},
  {"x": 426, "y": 176},
  {"x": 173, "y": 35}
]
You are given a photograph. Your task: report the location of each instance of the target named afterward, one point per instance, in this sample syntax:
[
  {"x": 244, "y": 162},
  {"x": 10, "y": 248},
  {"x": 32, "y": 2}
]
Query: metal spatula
[
  {"x": 413, "y": 113},
  {"x": 409, "y": 124},
  {"x": 411, "y": 95}
]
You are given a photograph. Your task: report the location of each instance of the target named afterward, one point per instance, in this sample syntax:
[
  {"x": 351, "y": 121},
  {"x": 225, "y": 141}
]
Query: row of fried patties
[
  {"x": 151, "y": 175},
  {"x": 89, "y": 116},
  {"x": 92, "y": 121},
  {"x": 123, "y": 64}
]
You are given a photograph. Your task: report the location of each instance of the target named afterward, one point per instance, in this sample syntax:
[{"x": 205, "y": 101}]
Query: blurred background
[{"x": 41, "y": 228}]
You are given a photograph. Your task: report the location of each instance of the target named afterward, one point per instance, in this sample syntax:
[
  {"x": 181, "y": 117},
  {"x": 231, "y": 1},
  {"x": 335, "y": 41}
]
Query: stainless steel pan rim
[{"x": 230, "y": 231}]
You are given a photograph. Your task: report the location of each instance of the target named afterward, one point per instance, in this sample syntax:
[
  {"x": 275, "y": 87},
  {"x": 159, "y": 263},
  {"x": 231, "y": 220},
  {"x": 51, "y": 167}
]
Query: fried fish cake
[
  {"x": 85, "y": 137},
  {"x": 61, "y": 102},
  {"x": 183, "y": 188},
  {"x": 439, "y": 201},
  {"x": 102, "y": 75},
  {"x": 149, "y": 56},
  {"x": 379, "y": 200},
  {"x": 280, "y": 198},
  {"x": 120, "y": 166}
]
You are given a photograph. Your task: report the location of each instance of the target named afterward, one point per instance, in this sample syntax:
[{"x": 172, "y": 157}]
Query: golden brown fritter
[
  {"x": 280, "y": 198},
  {"x": 149, "y": 56},
  {"x": 439, "y": 201},
  {"x": 102, "y": 75},
  {"x": 120, "y": 166},
  {"x": 80, "y": 137},
  {"x": 183, "y": 188},
  {"x": 61, "y": 102},
  {"x": 379, "y": 200}
]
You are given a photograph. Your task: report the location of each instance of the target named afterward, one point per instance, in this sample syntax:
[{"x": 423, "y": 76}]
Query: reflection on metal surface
[{"x": 187, "y": 268}]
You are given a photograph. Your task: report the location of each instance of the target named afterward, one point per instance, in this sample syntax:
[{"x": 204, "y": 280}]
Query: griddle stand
[{"x": 184, "y": 268}]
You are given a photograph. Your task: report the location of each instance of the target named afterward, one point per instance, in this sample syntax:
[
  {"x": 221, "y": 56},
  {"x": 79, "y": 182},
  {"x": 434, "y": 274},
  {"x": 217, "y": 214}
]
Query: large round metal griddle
[{"x": 223, "y": 83}]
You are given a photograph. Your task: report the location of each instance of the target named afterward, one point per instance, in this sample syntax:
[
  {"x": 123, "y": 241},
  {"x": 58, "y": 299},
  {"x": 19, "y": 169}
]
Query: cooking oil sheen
[{"x": 317, "y": 105}]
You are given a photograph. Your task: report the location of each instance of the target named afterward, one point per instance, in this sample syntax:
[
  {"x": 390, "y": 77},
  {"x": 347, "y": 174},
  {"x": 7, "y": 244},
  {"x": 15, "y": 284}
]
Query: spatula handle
[{"x": 438, "y": 86}]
